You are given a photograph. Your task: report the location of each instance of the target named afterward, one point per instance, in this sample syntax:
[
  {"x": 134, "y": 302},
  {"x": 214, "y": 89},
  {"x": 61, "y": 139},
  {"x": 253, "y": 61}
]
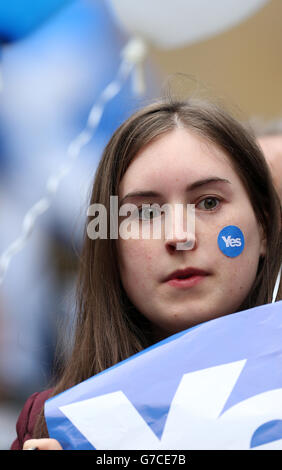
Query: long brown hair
[{"x": 108, "y": 328}]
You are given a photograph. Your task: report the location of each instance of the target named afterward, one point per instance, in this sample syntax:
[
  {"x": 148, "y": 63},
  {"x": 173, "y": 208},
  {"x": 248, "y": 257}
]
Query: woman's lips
[
  {"x": 186, "y": 278},
  {"x": 187, "y": 282}
]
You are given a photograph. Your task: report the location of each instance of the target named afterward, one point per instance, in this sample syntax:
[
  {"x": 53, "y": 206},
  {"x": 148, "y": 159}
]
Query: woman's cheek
[{"x": 136, "y": 262}]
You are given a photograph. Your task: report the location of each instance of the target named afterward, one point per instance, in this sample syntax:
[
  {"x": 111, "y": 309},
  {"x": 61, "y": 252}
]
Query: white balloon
[{"x": 172, "y": 23}]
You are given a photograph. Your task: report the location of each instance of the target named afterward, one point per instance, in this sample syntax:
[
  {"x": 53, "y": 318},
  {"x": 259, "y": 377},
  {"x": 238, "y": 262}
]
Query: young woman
[{"x": 130, "y": 291}]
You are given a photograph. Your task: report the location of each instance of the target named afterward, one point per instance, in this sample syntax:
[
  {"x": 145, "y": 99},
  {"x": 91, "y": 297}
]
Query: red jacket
[{"x": 28, "y": 417}]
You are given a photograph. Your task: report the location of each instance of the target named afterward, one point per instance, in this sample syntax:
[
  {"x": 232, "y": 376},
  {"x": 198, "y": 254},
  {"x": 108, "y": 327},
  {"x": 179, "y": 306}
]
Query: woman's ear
[
  {"x": 263, "y": 247},
  {"x": 263, "y": 242}
]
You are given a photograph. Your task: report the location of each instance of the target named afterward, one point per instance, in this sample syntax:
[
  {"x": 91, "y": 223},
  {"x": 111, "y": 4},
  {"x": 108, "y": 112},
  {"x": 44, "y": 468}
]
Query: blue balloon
[{"x": 18, "y": 18}]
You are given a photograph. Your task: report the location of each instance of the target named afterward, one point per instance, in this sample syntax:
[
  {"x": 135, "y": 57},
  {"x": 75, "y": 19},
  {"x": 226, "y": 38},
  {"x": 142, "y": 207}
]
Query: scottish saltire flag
[{"x": 215, "y": 386}]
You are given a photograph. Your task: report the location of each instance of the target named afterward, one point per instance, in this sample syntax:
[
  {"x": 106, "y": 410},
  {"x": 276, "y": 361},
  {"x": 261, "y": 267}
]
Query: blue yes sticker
[{"x": 231, "y": 241}]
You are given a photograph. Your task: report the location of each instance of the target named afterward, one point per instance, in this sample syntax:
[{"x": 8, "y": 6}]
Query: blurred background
[{"x": 56, "y": 59}]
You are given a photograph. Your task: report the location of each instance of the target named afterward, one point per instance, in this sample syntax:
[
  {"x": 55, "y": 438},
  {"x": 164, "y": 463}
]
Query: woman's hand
[{"x": 42, "y": 444}]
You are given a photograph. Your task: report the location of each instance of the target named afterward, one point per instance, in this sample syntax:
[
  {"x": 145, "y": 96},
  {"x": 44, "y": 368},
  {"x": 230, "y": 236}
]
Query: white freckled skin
[{"x": 167, "y": 166}]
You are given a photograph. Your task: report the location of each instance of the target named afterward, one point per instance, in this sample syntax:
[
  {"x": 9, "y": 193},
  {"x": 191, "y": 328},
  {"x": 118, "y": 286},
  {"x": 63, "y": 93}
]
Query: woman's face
[{"x": 183, "y": 168}]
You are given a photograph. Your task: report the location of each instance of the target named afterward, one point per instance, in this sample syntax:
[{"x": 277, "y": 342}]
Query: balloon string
[
  {"x": 276, "y": 287},
  {"x": 52, "y": 184}
]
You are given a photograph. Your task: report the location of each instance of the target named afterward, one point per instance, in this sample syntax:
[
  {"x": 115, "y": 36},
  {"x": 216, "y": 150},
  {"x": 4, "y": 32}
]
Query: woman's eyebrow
[
  {"x": 206, "y": 181},
  {"x": 196, "y": 184},
  {"x": 140, "y": 194}
]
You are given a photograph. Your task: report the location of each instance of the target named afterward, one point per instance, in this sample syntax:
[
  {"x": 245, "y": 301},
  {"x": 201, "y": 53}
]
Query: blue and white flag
[{"x": 215, "y": 386}]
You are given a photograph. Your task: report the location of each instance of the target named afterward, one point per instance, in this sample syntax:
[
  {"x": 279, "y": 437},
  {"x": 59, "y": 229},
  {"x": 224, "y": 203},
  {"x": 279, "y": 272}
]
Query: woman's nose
[
  {"x": 185, "y": 243},
  {"x": 181, "y": 235}
]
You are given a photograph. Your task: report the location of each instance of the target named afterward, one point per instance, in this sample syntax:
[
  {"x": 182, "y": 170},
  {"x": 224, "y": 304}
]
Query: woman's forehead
[{"x": 177, "y": 157}]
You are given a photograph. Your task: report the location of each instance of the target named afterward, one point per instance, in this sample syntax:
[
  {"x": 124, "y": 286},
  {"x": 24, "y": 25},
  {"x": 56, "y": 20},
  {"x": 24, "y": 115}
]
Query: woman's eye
[
  {"x": 149, "y": 213},
  {"x": 209, "y": 203}
]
